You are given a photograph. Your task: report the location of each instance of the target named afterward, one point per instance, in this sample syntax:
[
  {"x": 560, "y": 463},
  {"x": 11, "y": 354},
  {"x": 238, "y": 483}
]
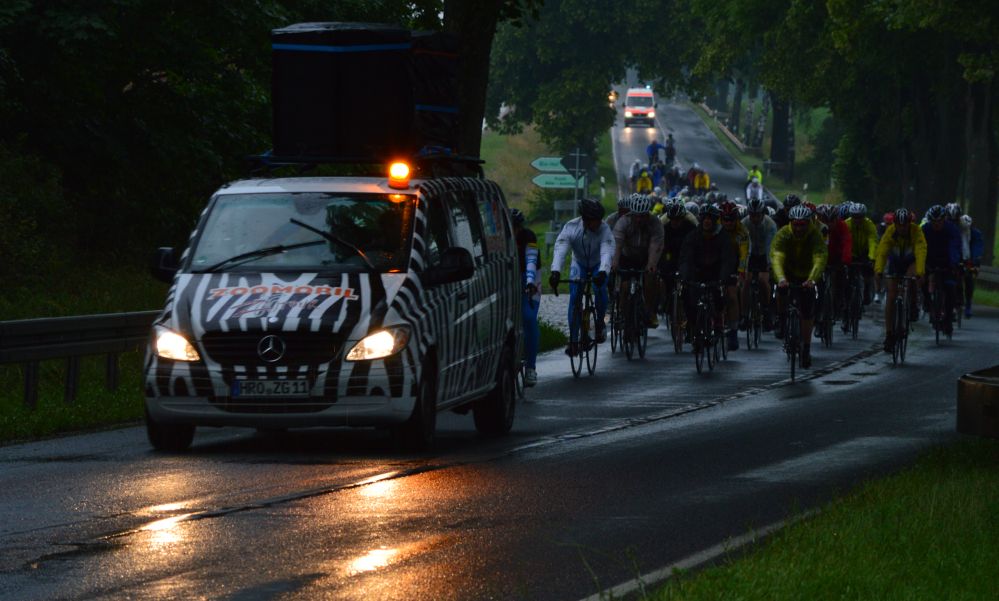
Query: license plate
[{"x": 245, "y": 388}]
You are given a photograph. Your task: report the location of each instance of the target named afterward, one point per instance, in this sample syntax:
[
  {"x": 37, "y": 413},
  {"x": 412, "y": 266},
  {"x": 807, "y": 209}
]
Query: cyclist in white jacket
[{"x": 592, "y": 245}]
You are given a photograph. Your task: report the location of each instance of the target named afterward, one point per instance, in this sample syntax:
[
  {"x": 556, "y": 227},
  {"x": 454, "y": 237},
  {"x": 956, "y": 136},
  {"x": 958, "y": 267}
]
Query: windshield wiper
[
  {"x": 336, "y": 240},
  {"x": 255, "y": 254}
]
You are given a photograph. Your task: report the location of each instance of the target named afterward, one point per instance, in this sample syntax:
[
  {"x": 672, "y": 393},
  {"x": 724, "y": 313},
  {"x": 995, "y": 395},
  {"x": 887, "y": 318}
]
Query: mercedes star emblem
[{"x": 271, "y": 348}]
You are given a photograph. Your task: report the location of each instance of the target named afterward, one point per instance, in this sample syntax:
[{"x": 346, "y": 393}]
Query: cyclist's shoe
[
  {"x": 743, "y": 323},
  {"x": 779, "y": 332},
  {"x": 653, "y": 322},
  {"x": 967, "y": 312},
  {"x": 530, "y": 377},
  {"x": 572, "y": 349},
  {"x": 768, "y": 323},
  {"x": 806, "y": 358},
  {"x": 601, "y": 333},
  {"x": 889, "y": 343},
  {"x": 733, "y": 340},
  {"x": 846, "y": 326},
  {"x": 817, "y": 331},
  {"x": 877, "y": 298}
]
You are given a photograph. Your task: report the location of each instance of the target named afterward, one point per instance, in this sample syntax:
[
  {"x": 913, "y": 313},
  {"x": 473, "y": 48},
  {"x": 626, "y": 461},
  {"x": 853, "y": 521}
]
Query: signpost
[
  {"x": 556, "y": 180},
  {"x": 549, "y": 164}
]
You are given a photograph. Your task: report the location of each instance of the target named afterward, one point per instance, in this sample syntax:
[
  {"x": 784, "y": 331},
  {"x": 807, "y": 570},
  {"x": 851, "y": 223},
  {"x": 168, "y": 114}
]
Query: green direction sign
[
  {"x": 557, "y": 180},
  {"x": 551, "y": 164}
]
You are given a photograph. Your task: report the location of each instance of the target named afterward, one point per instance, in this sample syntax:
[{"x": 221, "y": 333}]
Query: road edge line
[{"x": 699, "y": 559}]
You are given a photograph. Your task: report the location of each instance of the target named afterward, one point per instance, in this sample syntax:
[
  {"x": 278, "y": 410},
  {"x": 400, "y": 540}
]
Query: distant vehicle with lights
[
  {"x": 338, "y": 301},
  {"x": 640, "y": 107}
]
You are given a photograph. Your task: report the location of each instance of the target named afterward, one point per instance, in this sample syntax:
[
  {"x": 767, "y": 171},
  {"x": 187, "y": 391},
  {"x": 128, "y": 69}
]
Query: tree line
[{"x": 911, "y": 84}]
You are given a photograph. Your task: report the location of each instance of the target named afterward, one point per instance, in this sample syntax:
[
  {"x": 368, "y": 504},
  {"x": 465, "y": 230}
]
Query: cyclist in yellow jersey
[
  {"x": 903, "y": 251},
  {"x": 798, "y": 255},
  {"x": 864, "y": 234}
]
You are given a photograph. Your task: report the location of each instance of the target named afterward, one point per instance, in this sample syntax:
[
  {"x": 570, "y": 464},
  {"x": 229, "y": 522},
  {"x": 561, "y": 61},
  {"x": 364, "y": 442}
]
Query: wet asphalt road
[{"x": 604, "y": 478}]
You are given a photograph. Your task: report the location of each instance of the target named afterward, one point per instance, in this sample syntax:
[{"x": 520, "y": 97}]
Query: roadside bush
[{"x": 33, "y": 213}]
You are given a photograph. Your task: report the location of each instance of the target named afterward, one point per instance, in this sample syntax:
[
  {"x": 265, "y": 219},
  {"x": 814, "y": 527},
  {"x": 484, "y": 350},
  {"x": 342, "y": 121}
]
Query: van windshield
[
  {"x": 238, "y": 225},
  {"x": 643, "y": 101}
]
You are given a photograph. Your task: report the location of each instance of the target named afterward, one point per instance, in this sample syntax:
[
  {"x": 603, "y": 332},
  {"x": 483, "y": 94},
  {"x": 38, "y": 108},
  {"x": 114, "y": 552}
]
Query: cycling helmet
[
  {"x": 935, "y": 213},
  {"x": 888, "y": 219},
  {"x": 675, "y": 210},
  {"x": 953, "y": 211},
  {"x": 657, "y": 191},
  {"x": 635, "y": 196},
  {"x": 824, "y": 212},
  {"x": 858, "y": 210},
  {"x": 756, "y": 205},
  {"x": 791, "y": 200},
  {"x": 966, "y": 221},
  {"x": 902, "y": 216},
  {"x": 591, "y": 209},
  {"x": 624, "y": 202},
  {"x": 692, "y": 207},
  {"x": 641, "y": 205},
  {"x": 729, "y": 211},
  {"x": 810, "y": 206},
  {"x": 801, "y": 212},
  {"x": 844, "y": 209},
  {"x": 710, "y": 211},
  {"x": 517, "y": 216},
  {"x": 771, "y": 211}
]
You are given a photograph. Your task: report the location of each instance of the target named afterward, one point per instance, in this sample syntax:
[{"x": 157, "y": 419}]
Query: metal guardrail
[
  {"x": 29, "y": 341},
  {"x": 989, "y": 276}
]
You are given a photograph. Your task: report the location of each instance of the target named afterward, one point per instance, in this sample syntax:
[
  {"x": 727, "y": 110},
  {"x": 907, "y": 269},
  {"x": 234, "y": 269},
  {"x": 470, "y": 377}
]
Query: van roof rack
[{"x": 429, "y": 162}]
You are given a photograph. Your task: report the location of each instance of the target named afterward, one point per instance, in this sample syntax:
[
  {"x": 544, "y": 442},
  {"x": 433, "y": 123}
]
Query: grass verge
[
  {"x": 551, "y": 337},
  {"x": 508, "y": 163},
  {"x": 929, "y": 532},
  {"x": 989, "y": 298}
]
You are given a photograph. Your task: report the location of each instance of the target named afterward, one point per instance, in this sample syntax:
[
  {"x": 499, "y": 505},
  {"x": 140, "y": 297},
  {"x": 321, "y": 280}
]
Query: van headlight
[
  {"x": 652, "y": 114},
  {"x": 171, "y": 345},
  {"x": 380, "y": 344},
  {"x": 627, "y": 113}
]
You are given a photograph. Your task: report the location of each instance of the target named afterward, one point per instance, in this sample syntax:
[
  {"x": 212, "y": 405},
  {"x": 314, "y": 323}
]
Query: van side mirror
[
  {"x": 165, "y": 264},
  {"x": 456, "y": 265}
]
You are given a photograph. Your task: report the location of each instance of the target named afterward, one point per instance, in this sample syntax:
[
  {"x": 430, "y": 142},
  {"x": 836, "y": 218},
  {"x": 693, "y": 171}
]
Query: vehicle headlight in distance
[
  {"x": 627, "y": 113},
  {"x": 171, "y": 345},
  {"x": 380, "y": 344},
  {"x": 652, "y": 114}
]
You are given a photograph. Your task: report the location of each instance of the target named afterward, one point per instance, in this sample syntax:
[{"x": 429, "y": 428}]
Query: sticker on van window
[{"x": 336, "y": 292}]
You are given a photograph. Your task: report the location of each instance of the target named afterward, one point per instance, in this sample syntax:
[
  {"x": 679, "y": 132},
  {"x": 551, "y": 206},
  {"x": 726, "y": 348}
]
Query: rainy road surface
[{"x": 603, "y": 478}]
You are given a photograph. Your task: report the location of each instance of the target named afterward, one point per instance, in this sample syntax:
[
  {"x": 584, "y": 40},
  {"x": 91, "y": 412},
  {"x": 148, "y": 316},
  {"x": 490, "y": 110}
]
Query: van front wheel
[
  {"x": 419, "y": 431},
  {"x": 169, "y": 437},
  {"x": 494, "y": 412}
]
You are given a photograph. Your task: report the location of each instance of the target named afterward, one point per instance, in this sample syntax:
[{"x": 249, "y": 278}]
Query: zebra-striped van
[{"x": 338, "y": 301}]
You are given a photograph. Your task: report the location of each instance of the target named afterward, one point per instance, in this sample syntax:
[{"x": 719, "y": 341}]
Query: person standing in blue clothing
[
  {"x": 527, "y": 248},
  {"x": 972, "y": 248},
  {"x": 652, "y": 151},
  {"x": 592, "y": 246},
  {"x": 943, "y": 251}
]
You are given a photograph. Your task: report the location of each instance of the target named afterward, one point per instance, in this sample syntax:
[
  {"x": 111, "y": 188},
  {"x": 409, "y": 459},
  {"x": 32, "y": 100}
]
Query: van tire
[
  {"x": 418, "y": 433},
  {"x": 171, "y": 438},
  {"x": 494, "y": 412}
]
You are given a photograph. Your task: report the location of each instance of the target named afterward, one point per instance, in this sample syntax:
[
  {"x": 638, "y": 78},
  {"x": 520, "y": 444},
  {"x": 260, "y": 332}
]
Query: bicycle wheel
[
  {"x": 676, "y": 323},
  {"x": 856, "y": 306},
  {"x": 592, "y": 346},
  {"x": 641, "y": 326},
  {"x": 576, "y": 360},
  {"x": 723, "y": 345},
  {"x": 899, "y": 330},
  {"x": 700, "y": 341},
  {"x": 518, "y": 381},
  {"x": 793, "y": 340},
  {"x": 627, "y": 339},
  {"x": 615, "y": 327}
]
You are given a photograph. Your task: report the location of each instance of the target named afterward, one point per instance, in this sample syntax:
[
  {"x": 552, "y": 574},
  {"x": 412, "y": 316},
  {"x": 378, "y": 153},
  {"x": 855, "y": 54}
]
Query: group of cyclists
[{"x": 688, "y": 251}]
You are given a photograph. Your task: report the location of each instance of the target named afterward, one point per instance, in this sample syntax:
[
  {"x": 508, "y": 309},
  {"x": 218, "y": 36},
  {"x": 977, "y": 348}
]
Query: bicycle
[
  {"x": 959, "y": 294},
  {"x": 792, "y": 327},
  {"x": 635, "y": 334},
  {"x": 855, "y": 297},
  {"x": 938, "y": 319},
  {"x": 901, "y": 322},
  {"x": 706, "y": 340},
  {"x": 614, "y": 315},
  {"x": 677, "y": 320},
  {"x": 754, "y": 318},
  {"x": 827, "y": 310},
  {"x": 584, "y": 313}
]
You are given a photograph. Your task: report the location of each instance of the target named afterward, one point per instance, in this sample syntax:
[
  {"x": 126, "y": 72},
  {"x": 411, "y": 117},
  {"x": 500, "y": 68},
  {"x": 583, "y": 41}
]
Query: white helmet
[
  {"x": 623, "y": 202},
  {"x": 641, "y": 205},
  {"x": 966, "y": 220}
]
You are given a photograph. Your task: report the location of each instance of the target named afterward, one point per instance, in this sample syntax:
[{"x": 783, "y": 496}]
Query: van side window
[
  {"x": 493, "y": 222},
  {"x": 466, "y": 223},
  {"x": 436, "y": 240}
]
